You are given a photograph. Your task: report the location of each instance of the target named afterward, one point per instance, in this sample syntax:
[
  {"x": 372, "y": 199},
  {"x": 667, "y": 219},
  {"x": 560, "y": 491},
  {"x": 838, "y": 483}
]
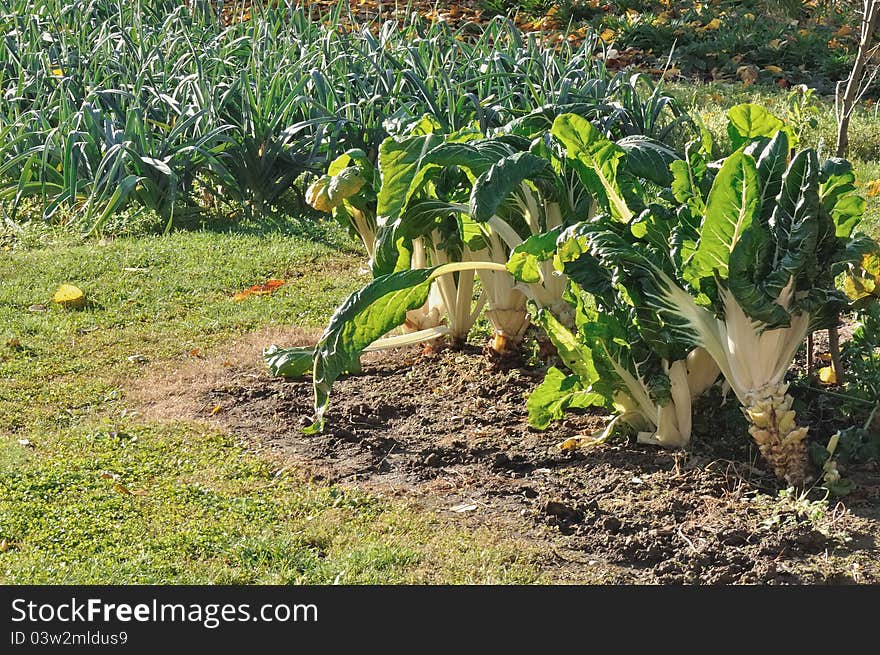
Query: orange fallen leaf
[
  {"x": 572, "y": 443},
  {"x": 259, "y": 289}
]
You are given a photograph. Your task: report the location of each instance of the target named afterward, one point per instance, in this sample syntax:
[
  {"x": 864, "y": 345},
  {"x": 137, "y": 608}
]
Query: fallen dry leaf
[
  {"x": 69, "y": 296},
  {"x": 464, "y": 507},
  {"x": 748, "y": 74},
  {"x": 121, "y": 489},
  {"x": 827, "y": 375},
  {"x": 572, "y": 443},
  {"x": 259, "y": 289}
]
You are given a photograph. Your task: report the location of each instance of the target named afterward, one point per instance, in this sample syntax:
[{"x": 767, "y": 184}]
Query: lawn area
[{"x": 90, "y": 492}]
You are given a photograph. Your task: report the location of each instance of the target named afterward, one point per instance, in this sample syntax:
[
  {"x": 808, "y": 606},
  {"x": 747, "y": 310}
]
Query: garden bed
[{"x": 447, "y": 431}]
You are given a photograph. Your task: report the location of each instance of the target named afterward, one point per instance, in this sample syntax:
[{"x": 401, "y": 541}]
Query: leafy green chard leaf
[
  {"x": 668, "y": 314},
  {"x": 795, "y": 224},
  {"x": 747, "y": 122},
  {"x": 400, "y": 161},
  {"x": 290, "y": 362},
  {"x": 648, "y": 159},
  {"x": 556, "y": 394},
  {"x": 596, "y": 160},
  {"x": 524, "y": 259},
  {"x": 750, "y": 265},
  {"x": 654, "y": 226},
  {"x": 576, "y": 356},
  {"x": 733, "y": 203},
  {"x": 495, "y": 185},
  {"x": 772, "y": 163},
  {"x": 363, "y": 318},
  {"x": 837, "y": 191},
  {"x": 420, "y": 218},
  {"x": 690, "y": 179},
  {"x": 574, "y": 259}
]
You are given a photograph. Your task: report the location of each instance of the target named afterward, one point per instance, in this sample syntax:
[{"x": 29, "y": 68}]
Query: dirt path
[{"x": 448, "y": 433}]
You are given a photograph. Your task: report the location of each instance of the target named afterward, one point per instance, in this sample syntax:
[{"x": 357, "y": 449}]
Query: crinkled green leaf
[
  {"x": 574, "y": 354},
  {"x": 749, "y": 121},
  {"x": 290, "y": 362},
  {"x": 494, "y": 186},
  {"x": 795, "y": 224},
  {"x": 837, "y": 191},
  {"x": 366, "y": 315},
  {"x": 524, "y": 259},
  {"x": 596, "y": 160},
  {"x": 733, "y": 204},
  {"x": 648, "y": 159},
  {"x": 399, "y": 163},
  {"x": 772, "y": 163},
  {"x": 556, "y": 394}
]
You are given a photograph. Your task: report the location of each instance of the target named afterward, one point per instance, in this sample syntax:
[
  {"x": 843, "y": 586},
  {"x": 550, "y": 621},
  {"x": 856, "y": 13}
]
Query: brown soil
[{"x": 447, "y": 431}]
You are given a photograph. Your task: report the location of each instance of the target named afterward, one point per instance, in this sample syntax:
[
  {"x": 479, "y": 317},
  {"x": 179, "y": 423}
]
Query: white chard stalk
[{"x": 754, "y": 363}]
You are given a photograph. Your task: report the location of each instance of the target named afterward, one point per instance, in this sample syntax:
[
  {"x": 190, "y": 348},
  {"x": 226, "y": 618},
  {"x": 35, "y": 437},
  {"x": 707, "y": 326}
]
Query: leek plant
[{"x": 160, "y": 106}]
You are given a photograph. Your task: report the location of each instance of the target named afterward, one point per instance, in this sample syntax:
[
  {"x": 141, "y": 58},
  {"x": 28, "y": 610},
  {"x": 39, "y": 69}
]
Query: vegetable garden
[{"x": 570, "y": 299}]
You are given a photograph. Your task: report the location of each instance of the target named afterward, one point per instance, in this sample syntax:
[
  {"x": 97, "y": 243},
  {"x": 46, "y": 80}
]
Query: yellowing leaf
[
  {"x": 713, "y": 24},
  {"x": 607, "y": 35},
  {"x": 217, "y": 409},
  {"x": 845, "y": 30},
  {"x": 121, "y": 489},
  {"x": 69, "y": 296},
  {"x": 572, "y": 443},
  {"x": 773, "y": 69},
  {"x": 775, "y": 44},
  {"x": 873, "y": 188},
  {"x": 827, "y": 375}
]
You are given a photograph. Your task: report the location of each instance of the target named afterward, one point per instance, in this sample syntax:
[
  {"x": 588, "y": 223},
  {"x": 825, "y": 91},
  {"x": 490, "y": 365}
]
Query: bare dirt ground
[{"x": 447, "y": 431}]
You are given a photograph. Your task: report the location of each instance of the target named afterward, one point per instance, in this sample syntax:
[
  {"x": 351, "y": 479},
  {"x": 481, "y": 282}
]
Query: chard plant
[
  {"x": 747, "y": 270},
  {"x": 611, "y": 365},
  {"x": 454, "y": 207}
]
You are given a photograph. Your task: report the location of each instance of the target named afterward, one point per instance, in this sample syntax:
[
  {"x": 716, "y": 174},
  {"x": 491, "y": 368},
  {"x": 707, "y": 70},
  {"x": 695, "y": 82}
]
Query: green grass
[{"x": 90, "y": 493}]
